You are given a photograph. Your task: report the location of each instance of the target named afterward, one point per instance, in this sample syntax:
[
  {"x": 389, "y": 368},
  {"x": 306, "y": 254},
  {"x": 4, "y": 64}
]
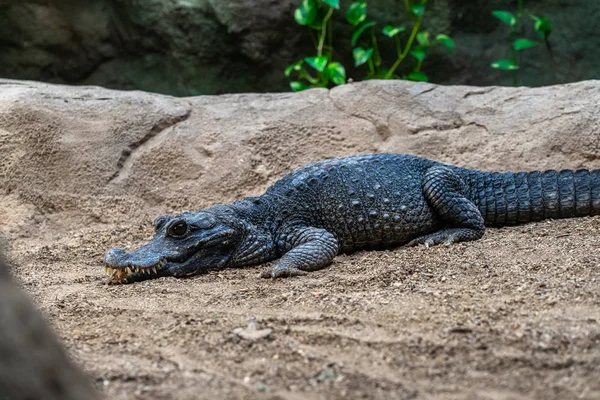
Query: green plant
[
  {"x": 417, "y": 44},
  {"x": 316, "y": 15},
  {"x": 540, "y": 24}
]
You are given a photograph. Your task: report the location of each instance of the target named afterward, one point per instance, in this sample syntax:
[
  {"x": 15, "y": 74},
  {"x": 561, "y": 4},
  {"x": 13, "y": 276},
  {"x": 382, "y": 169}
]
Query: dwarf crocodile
[{"x": 346, "y": 204}]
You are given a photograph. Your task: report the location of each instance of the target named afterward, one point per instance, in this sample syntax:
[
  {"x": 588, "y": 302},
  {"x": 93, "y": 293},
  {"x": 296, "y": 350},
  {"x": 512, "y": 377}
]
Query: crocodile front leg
[{"x": 310, "y": 249}]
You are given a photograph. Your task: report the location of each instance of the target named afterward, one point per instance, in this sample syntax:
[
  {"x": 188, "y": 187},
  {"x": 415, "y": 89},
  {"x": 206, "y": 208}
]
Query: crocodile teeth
[{"x": 119, "y": 274}]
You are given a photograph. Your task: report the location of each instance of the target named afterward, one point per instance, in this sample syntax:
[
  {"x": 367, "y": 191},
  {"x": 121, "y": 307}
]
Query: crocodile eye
[{"x": 178, "y": 229}]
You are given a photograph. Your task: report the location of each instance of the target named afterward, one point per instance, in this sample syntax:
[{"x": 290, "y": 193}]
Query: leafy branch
[
  {"x": 357, "y": 14},
  {"x": 541, "y": 25},
  {"x": 316, "y": 15}
]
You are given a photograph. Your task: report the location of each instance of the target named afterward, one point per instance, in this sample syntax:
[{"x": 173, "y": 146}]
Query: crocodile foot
[
  {"x": 282, "y": 272},
  {"x": 447, "y": 237}
]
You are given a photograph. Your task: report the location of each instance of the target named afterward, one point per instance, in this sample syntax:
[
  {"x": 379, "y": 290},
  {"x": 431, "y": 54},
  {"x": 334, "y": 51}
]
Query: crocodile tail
[{"x": 508, "y": 198}]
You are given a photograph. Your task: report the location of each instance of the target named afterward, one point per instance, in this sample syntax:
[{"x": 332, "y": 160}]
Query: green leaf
[
  {"x": 336, "y": 72},
  {"x": 360, "y": 31},
  {"x": 418, "y": 9},
  {"x": 446, "y": 41},
  {"x": 357, "y": 12},
  {"x": 298, "y": 86},
  {"x": 418, "y": 53},
  {"x": 361, "y": 55},
  {"x": 522, "y": 44},
  {"x": 294, "y": 67},
  {"x": 542, "y": 26},
  {"x": 319, "y": 19},
  {"x": 507, "y": 65},
  {"x": 306, "y": 13},
  {"x": 390, "y": 31},
  {"x": 423, "y": 38},
  {"x": 505, "y": 17},
  {"x": 333, "y": 3},
  {"x": 317, "y": 63},
  {"x": 304, "y": 74},
  {"x": 417, "y": 76}
]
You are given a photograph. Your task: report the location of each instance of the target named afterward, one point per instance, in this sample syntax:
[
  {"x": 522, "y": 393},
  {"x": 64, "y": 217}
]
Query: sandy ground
[{"x": 514, "y": 315}]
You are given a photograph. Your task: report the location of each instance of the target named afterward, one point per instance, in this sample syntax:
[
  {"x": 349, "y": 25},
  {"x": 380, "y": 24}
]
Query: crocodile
[{"x": 342, "y": 205}]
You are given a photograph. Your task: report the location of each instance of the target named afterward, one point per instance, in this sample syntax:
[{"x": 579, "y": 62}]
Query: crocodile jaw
[
  {"x": 123, "y": 267},
  {"x": 132, "y": 273}
]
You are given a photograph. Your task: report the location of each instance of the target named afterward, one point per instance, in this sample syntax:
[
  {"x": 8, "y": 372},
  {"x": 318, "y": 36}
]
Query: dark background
[{"x": 191, "y": 47}]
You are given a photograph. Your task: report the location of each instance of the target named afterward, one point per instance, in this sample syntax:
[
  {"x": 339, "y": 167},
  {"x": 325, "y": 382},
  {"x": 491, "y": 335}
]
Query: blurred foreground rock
[{"x": 33, "y": 364}]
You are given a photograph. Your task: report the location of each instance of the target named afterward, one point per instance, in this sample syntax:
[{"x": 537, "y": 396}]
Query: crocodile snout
[
  {"x": 140, "y": 258},
  {"x": 115, "y": 258},
  {"x": 122, "y": 266}
]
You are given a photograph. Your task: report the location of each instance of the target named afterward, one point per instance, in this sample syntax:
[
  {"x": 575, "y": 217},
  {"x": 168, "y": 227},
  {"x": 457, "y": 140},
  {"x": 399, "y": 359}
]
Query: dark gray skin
[{"x": 346, "y": 204}]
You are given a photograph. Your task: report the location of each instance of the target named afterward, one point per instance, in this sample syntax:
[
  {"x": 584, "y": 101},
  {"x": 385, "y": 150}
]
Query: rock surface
[
  {"x": 34, "y": 365},
  {"x": 100, "y": 154},
  {"x": 190, "y": 47},
  {"x": 514, "y": 315}
]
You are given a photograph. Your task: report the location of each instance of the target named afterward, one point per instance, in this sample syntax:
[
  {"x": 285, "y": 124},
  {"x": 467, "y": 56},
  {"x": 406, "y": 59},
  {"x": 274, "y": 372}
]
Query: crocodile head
[{"x": 182, "y": 245}]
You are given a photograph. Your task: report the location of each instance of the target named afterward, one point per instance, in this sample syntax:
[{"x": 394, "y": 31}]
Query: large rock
[
  {"x": 189, "y": 47},
  {"x": 74, "y": 155},
  {"x": 34, "y": 364}
]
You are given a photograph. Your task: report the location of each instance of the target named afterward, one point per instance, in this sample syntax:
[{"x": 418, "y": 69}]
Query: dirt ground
[{"x": 514, "y": 315}]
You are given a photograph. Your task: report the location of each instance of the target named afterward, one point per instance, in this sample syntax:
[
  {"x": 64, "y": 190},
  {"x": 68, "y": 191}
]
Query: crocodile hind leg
[
  {"x": 446, "y": 193},
  {"x": 310, "y": 249}
]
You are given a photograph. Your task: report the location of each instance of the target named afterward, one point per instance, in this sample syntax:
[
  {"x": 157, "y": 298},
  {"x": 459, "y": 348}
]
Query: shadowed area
[{"x": 33, "y": 363}]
